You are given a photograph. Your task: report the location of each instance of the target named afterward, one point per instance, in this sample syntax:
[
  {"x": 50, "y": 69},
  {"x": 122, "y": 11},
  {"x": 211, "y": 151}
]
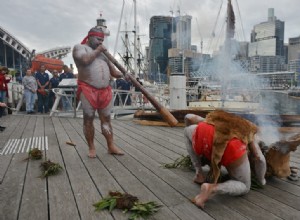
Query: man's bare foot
[
  {"x": 115, "y": 151},
  {"x": 199, "y": 178},
  {"x": 207, "y": 191},
  {"x": 92, "y": 153}
]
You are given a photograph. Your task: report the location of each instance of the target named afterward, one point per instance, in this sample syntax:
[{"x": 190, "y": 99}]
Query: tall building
[
  {"x": 294, "y": 54},
  {"x": 160, "y": 41},
  {"x": 266, "y": 49},
  {"x": 267, "y": 38},
  {"x": 182, "y": 53},
  {"x": 182, "y": 36}
]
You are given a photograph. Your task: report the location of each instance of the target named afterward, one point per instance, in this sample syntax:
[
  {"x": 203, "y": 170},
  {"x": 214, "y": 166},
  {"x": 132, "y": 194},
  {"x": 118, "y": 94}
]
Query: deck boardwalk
[{"x": 84, "y": 181}]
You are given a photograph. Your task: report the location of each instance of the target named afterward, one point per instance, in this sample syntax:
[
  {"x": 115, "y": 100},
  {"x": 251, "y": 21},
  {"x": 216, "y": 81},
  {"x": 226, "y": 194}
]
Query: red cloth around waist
[
  {"x": 203, "y": 142},
  {"x": 98, "y": 98}
]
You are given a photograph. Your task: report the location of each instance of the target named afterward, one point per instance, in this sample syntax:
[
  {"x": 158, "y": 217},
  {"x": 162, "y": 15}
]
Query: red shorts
[
  {"x": 203, "y": 142},
  {"x": 235, "y": 149},
  {"x": 98, "y": 98}
]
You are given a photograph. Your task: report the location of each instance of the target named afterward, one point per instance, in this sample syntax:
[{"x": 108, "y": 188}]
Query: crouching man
[{"x": 223, "y": 139}]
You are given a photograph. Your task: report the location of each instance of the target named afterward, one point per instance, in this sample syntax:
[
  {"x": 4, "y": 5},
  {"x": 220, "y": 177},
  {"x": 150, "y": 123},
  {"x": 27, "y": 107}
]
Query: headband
[{"x": 98, "y": 34}]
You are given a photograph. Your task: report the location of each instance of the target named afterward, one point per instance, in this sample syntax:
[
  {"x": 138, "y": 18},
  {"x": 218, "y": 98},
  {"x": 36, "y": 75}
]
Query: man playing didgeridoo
[
  {"x": 94, "y": 90},
  {"x": 223, "y": 139}
]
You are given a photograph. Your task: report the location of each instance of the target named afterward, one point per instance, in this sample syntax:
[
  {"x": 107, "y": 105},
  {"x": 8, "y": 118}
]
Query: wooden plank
[
  {"x": 144, "y": 139},
  {"x": 129, "y": 182},
  {"x": 182, "y": 209},
  {"x": 83, "y": 187},
  {"x": 284, "y": 186},
  {"x": 104, "y": 182},
  {"x": 11, "y": 189},
  {"x": 222, "y": 213},
  {"x": 4, "y": 137},
  {"x": 159, "y": 137},
  {"x": 246, "y": 208},
  {"x": 272, "y": 205},
  {"x": 165, "y": 133},
  {"x": 62, "y": 203},
  {"x": 142, "y": 147},
  {"x": 142, "y": 131},
  {"x": 34, "y": 201},
  {"x": 282, "y": 196}
]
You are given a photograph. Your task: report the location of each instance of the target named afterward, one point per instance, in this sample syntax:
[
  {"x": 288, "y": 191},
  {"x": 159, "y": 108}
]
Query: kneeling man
[{"x": 223, "y": 139}]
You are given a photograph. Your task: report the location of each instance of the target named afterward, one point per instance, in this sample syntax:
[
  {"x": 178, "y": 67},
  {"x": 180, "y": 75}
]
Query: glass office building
[
  {"x": 266, "y": 49},
  {"x": 160, "y": 41},
  {"x": 267, "y": 38}
]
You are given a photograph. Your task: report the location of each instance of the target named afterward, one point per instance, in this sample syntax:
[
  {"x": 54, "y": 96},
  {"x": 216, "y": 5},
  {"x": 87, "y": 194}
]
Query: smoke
[{"x": 230, "y": 68}]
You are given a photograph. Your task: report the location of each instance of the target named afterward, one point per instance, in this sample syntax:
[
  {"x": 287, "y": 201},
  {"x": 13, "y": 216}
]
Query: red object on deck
[{"x": 50, "y": 63}]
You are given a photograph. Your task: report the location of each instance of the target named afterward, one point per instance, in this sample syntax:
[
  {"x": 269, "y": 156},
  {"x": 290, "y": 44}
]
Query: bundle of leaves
[
  {"x": 181, "y": 162},
  {"x": 116, "y": 200},
  {"x": 143, "y": 210},
  {"x": 128, "y": 203},
  {"x": 50, "y": 168},
  {"x": 35, "y": 154}
]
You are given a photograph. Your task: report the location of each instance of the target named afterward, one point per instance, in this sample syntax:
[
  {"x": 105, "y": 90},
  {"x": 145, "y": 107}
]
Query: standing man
[
  {"x": 4, "y": 79},
  {"x": 30, "y": 87},
  {"x": 139, "y": 96},
  {"x": 54, "y": 81},
  {"x": 94, "y": 90},
  {"x": 67, "y": 74},
  {"x": 42, "y": 79},
  {"x": 2, "y": 104}
]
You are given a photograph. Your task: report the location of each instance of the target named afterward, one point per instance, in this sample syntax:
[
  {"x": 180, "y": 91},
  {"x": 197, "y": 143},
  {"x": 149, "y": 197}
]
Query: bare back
[{"x": 95, "y": 73}]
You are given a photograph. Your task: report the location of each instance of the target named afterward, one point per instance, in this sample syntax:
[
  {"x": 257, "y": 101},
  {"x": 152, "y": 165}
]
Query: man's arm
[{"x": 113, "y": 71}]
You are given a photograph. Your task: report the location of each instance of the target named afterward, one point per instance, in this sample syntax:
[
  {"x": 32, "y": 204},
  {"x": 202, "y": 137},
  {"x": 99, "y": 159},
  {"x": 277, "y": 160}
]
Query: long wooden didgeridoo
[{"x": 167, "y": 116}]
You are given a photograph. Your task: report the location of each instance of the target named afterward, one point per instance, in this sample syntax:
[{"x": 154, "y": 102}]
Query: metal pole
[
  {"x": 117, "y": 37},
  {"x": 183, "y": 63},
  {"x": 135, "y": 34}
]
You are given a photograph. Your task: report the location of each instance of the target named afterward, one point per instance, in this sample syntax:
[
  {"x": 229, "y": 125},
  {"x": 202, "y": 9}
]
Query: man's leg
[
  {"x": 27, "y": 100},
  {"x": 260, "y": 166},
  {"x": 32, "y": 100},
  {"x": 191, "y": 119},
  {"x": 40, "y": 103},
  {"x": 46, "y": 103},
  {"x": 106, "y": 128},
  {"x": 196, "y": 159},
  {"x": 239, "y": 184},
  {"x": 88, "y": 125}
]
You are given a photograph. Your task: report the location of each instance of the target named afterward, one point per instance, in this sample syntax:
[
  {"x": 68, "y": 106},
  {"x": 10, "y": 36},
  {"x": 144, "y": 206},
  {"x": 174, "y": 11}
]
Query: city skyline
[{"x": 54, "y": 23}]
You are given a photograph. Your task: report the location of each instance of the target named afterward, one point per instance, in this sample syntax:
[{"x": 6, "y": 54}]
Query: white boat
[{"x": 232, "y": 88}]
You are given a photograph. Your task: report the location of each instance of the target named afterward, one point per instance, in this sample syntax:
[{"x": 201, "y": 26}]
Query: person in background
[
  {"x": 43, "y": 81},
  {"x": 94, "y": 90},
  {"x": 139, "y": 96},
  {"x": 2, "y": 105},
  {"x": 66, "y": 74},
  {"x": 122, "y": 84},
  {"x": 54, "y": 81},
  {"x": 4, "y": 79},
  {"x": 30, "y": 88}
]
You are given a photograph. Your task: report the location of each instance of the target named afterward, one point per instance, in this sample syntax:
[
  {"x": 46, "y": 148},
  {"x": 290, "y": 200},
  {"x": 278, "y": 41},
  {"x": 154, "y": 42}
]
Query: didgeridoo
[{"x": 167, "y": 116}]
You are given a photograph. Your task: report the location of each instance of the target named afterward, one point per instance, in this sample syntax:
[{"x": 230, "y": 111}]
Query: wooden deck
[{"x": 84, "y": 181}]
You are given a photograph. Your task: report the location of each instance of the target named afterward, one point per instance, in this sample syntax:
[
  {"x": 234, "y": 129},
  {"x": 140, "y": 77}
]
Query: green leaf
[{"x": 113, "y": 204}]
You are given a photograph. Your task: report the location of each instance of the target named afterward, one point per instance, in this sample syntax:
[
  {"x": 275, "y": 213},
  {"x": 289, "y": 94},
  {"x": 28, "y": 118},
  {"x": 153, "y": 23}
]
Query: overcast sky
[{"x": 45, "y": 24}]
